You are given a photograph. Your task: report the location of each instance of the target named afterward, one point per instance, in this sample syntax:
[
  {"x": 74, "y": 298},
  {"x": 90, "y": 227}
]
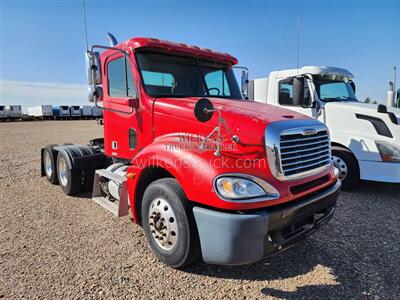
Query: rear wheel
[
  {"x": 169, "y": 223},
  {"x": 49, "y": 165},
  {"x": 70, "y": 180},
  {"x": 347, "y": 165}
]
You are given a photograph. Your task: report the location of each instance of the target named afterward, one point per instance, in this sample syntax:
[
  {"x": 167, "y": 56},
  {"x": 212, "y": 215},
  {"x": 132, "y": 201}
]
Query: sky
[{"x": 42, "y": 42}]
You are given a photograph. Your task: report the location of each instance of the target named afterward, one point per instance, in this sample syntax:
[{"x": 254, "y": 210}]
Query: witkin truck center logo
[{"x": 201, "y": 143}]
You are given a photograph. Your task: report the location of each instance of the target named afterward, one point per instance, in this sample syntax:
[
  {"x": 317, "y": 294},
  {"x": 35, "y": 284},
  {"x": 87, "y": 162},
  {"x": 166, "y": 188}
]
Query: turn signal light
[{"x": 130, "y": 175}]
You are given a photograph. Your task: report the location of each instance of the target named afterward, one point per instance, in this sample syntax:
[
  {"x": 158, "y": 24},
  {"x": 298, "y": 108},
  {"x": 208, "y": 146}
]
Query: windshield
[
  {"x": 331, "y": 88},
  {"x": 166, "y": 75}
]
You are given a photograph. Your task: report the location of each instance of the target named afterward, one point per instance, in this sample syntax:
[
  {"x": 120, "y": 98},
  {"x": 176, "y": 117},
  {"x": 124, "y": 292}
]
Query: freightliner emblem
[{"x": 309, "y": 131}]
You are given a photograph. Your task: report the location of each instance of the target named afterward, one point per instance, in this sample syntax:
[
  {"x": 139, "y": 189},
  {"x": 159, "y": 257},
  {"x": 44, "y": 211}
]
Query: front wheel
[
  {"x": 169, "y": 224},
  {"x": 347, "y": 165}
]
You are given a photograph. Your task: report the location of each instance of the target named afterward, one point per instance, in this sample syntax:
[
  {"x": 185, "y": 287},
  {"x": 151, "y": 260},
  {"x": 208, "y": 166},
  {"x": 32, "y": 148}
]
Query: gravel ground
[{"x": 54, "y": 246}]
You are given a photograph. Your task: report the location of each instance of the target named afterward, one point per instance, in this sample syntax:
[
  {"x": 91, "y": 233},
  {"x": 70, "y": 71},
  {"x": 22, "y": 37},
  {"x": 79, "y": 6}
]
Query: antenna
[
  {"x": 298, "y": 42},
  {"x": 84, "y": 24}
]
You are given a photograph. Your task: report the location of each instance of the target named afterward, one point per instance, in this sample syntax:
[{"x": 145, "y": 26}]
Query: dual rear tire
[{"x": 57, "y": 168}]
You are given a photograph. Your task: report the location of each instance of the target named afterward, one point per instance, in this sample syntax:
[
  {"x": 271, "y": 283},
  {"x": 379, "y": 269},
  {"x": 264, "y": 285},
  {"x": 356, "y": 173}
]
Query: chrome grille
[{"x": 304, "y": 152}]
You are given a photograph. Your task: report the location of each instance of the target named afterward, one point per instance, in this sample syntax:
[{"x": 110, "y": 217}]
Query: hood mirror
[{"x": 203, "y": 110}]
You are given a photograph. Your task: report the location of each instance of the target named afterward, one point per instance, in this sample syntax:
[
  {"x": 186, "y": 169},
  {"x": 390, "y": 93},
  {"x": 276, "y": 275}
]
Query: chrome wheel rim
[
  {"x": 62, "y": 171},
  {"x": 341, "y": 165},
  {"x": 163, "y": 224},
  {"x": 47, "y": 164}
]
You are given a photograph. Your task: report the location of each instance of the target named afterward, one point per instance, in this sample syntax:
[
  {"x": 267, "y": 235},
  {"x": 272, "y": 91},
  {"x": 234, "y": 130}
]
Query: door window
[{"x": 120, "y": 82}]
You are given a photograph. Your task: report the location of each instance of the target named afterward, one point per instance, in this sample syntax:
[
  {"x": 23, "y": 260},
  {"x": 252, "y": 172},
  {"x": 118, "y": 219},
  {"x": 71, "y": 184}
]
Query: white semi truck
[{"x": 365, "y": 137}]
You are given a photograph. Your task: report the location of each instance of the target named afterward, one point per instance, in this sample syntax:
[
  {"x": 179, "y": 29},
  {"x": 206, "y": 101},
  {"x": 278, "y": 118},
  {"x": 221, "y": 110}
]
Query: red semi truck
[{"x": 206, "y": 173}]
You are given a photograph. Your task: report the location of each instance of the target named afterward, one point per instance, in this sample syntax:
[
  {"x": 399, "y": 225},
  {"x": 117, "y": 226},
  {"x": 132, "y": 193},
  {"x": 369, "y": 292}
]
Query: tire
[
  {"x": 49, "y": 164},
  {"x": 182, "y": 248},
  {"x": 70, "y": 180},
  {"x": 348, "y": 167}
]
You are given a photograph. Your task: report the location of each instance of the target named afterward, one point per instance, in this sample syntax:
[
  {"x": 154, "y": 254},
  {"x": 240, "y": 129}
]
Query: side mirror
[
  {"x": 203, "y": 110},
  {"x": 93, "y": 67},
  {"x": 298, "y": 91},
  {"x": 244, "y": 83},
  {"x": 95, "y": 93}
]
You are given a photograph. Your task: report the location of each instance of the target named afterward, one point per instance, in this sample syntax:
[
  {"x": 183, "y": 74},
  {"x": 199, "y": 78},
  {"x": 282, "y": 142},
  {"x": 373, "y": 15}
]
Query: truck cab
[
  {"x": 365, "y": 137},
  {"x": 206, "y": 173}
]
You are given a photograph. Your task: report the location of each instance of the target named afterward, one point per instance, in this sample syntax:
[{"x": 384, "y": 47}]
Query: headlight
[
  {"x": 389, "y": 151},
  {"x": 236, "y": 188}
]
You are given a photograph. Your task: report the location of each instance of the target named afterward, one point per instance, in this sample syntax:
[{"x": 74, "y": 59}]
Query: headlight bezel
[
  {"x": 269, "y": 191},
  {"x": 387, "y": 151}
]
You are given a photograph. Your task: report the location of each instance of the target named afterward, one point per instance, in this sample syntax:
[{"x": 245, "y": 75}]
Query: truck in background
[
  {"x": 75, "y": 111},
  {"x": 42, "y": 112},
  {"x": 61, "y": 112},
  {"x": 206, "y": 173},
  {"x": 365, "y": 137}
]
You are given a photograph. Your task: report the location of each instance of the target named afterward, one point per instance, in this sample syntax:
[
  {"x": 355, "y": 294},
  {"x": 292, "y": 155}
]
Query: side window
[
  {"x": 286, "y": 92},
  {"x": 120, "y": 82},
  {"x": 217, "y": 84}
]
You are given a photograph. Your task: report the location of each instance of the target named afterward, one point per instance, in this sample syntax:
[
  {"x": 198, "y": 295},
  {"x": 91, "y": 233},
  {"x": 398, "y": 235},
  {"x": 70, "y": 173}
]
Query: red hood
[
  {"x": 255, "y": 110},
  {"x": 247, "y": 119}
]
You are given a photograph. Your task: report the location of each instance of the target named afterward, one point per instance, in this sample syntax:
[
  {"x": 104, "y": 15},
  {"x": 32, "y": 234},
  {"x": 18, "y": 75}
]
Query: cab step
[{"x": 117, "y": 208}]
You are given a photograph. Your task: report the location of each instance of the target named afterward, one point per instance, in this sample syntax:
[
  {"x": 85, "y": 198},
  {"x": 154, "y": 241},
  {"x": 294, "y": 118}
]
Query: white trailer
[
  {"x": 365, "y": 137},
  {"x": 86, "y": 111},
  {"x": 75, "y": 111},
  {"x": 41, "y": 111}
]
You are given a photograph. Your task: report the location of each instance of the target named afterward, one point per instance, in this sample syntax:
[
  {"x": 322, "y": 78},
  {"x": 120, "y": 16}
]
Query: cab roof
[
  {"x": 144, "y": 42},
  {"x": 315, "y": 70}
]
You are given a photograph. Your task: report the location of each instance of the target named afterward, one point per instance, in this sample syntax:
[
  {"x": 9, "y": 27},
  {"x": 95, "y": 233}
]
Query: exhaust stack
[{"x": 111, "y": 39}]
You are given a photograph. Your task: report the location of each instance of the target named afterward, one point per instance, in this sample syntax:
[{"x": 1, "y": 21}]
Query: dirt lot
[{"x": 54, "y": 246}]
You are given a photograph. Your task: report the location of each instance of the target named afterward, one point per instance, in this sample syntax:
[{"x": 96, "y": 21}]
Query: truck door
[
  {"x": 285, "y": 97},
  {"x": 121, "y": 132}
]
